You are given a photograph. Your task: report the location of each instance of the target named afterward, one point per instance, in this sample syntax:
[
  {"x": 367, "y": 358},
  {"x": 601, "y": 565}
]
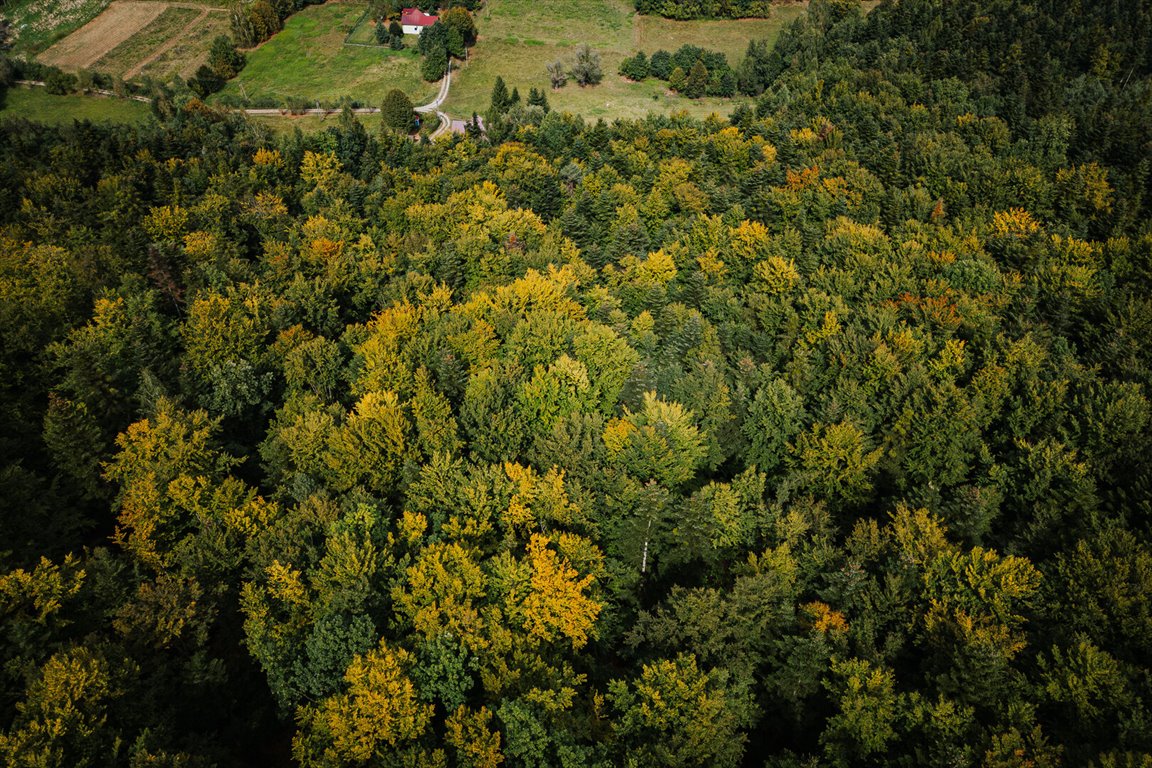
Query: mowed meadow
[
  {"x": 309, "y": 60},
  {"x": 518, "y": 38}
]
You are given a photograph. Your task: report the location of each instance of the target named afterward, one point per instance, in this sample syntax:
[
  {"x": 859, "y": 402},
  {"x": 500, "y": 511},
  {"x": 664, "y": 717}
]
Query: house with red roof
[{"x": 414, "y": 20}]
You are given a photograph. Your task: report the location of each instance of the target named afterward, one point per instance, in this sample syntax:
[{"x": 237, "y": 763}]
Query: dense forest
[{"x": 815, "y": 436}]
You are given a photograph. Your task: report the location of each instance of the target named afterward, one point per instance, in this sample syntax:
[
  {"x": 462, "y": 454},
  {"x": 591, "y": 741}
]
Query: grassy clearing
[
  {"x": 284, "y": 125},
  {"x": 39, "y": 23},
  {"x": 190, "y": 51},
  {"x": 36, "y": 104},
  {"x": 308, "y": 59},
  {"x": 519, "y": 37},
  {"x": 523, "y": 67},
  {"x": 172, "y": 22},
  {"x": 730, "y": 37}
]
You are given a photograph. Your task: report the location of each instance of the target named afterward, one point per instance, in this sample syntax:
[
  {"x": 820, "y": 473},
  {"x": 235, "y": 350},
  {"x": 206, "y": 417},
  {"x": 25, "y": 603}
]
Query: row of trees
[
  {"x": 705, "y": 9},
  {"x": 691, "y": 71}
]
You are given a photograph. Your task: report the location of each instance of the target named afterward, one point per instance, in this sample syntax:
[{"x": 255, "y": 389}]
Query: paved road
[{"x": 432, "y": 106}]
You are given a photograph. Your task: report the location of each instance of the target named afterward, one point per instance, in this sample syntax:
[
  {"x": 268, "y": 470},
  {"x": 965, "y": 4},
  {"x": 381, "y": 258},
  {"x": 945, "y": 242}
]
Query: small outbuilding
[
  {"x": 461, "y": 126},
  {"x": 414, "y": 20}
]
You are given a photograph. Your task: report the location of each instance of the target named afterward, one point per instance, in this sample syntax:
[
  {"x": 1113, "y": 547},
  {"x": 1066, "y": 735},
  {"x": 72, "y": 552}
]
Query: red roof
[{"x": 414, "y": 17}]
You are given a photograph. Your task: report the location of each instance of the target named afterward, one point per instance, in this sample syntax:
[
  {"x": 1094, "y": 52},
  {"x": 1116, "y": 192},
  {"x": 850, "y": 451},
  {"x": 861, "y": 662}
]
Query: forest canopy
[{"x": 814, "y": 436}]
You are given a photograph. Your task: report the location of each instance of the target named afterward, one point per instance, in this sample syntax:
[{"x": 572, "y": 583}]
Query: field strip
[
  {"x": 91, "y": 42},
  {"x": 168, "y": 45}
]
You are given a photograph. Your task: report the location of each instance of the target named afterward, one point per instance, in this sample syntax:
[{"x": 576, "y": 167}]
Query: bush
[
  {"x": 586, "y": 70},
  {"x": 59, "y": 83},
  {"x": 661, "y": 66},
  {"x": 435, "y": 65},
  {"x": 396, "y": 111},
  {"x": 557, "y": 74},
  {"x": 635, "y": 68}
]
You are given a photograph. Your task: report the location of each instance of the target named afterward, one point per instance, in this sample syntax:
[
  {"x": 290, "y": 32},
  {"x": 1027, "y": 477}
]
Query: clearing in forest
[
  {"x": 518, "y": 38},
  {"x": 43, "y": 107}
]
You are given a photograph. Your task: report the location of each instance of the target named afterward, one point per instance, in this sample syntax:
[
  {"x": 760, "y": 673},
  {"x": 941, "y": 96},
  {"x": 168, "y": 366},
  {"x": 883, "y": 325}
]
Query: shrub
[
  {"x": 661, "y": 66},
  {"x": 396, "y": 111},
  {"x": 586, "y": 70},
  {"x": 557, "y": 74},
  {"x": 636, "y": 67},
  {"x": 435, "y": 65},
  {"x": 59, "y": 83}
]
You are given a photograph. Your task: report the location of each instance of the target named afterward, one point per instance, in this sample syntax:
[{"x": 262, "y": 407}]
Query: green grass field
[
  {"x": 518, "y": 38},
  {"x": 41, "y": 106},
  {"x": 309, "y": 60}
]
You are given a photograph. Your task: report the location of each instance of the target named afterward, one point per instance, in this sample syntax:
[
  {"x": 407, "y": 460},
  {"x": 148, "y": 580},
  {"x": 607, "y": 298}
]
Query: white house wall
[{"x": 412, "y": 29}]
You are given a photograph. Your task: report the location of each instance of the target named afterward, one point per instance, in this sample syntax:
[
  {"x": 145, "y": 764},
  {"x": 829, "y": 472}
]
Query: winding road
[{"x": 432, "y": 106}]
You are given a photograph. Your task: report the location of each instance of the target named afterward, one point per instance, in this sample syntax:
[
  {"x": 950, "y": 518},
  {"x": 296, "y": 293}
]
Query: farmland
[{"x": 133, "y": 38}]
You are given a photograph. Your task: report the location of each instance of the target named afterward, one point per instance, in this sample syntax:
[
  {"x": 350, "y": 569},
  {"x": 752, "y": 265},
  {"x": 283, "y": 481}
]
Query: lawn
[
  {"x": 519, "y": 37},
  {"x": 41, "y": 106},
  {"x": 308, "y": 59}
]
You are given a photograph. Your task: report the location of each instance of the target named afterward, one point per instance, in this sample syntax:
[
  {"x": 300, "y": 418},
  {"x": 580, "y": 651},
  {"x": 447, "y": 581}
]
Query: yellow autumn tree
[
  {"x": 378, "y": 714},
  {"x": 556, "y": 604}
]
